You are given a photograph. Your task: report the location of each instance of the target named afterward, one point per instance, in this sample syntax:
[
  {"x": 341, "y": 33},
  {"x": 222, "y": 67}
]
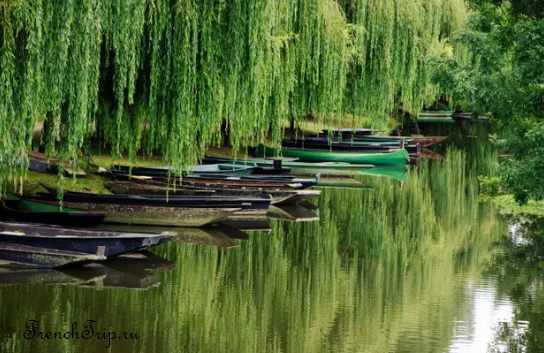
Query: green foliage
[
  {"x": 180, "y": 69},
  {"x": 489, "y": 187},
  {"x": 501, "y": 75},
  {"x": 524, "y": 173}
]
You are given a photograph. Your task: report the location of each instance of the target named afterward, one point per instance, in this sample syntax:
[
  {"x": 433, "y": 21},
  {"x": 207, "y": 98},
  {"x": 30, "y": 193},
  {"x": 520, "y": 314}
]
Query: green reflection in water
[{"x": 385, "y": 270}]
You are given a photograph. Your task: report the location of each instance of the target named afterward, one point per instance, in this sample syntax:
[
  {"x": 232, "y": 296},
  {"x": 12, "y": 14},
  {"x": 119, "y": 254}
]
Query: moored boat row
[{"x": 41, "y": 230}]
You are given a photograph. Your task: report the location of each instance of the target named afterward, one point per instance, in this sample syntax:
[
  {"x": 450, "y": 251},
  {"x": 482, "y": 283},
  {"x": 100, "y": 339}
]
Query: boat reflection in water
[{"x": 129, "y": 271}]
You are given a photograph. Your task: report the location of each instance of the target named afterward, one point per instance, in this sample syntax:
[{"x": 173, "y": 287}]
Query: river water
[{"x": 424, "y": 267}]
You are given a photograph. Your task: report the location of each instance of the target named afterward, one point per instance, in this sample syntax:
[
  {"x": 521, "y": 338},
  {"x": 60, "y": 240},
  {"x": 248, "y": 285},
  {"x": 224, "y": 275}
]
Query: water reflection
[{"x": 425, "y": 268}]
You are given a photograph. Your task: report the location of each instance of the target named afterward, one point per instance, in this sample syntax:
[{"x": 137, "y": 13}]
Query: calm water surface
[{"x": 422, "y": 268}]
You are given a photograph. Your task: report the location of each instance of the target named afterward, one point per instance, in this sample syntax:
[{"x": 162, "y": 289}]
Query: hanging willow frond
[{"x": 165, "y": 75}]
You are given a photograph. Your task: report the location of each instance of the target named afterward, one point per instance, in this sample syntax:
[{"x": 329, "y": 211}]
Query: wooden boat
[
  {"x": 159, "y": 200},
  {"x": 208, "y": 169},
  {"x": 349, "y": 132},
  {"x": 247, "y": 182},
  {"x": 39, "y": 162},
  {"x": 393, "y": 158},
  {"x": 139, "y": 188},
  {"x": 36, "y": 256},
  {"x": 93, "y": 242},
  {"x": 346, "y": 146},
  {"x": 175, "y": 211},
  {"x": 21, "y": 210},
  {"x": 305, "y": 168},
  {"x": 424, "y": 141}
]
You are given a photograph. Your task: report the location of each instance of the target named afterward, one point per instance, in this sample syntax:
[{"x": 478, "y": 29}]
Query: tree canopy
[
  {"x": 498, "y": 71},
  {"x": 179, "y": 69}
]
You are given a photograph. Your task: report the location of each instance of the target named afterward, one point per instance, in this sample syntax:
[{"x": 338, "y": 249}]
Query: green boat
[
  {"x": 399, "y": 157},
  {"x": 324, "y": 168}
]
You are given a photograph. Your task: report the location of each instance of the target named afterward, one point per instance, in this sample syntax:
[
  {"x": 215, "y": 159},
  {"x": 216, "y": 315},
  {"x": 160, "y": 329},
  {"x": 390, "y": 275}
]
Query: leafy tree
[{"x": 498, "y": 70}]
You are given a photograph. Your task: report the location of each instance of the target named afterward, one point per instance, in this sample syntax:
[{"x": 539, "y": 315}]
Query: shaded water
[{"x": 422, "y": 268}]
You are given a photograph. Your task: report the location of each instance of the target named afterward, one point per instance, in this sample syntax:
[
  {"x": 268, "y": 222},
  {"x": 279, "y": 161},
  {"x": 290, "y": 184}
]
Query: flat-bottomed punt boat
[
  {"x": 88, "y": 241},
  {"x": 399, "y": 157},
  {"x": 21, "y": 210}
]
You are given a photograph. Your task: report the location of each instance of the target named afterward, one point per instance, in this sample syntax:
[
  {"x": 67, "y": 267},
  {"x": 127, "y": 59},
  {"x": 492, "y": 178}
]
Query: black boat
[
  {"x": 349, "y": 132},
  {"x": 254, "y": 181},
  {"x": 21, "y": 210},
  {"x": 92, "y": 242},
  {"x": 135, "y": 187},
  {"x": 38, "y": 256},
  {"x": 189, "y": 201}
]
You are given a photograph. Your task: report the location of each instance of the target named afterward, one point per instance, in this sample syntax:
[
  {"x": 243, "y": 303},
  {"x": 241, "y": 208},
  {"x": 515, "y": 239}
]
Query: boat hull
[
  {"x": 156, "y": 215},
  {"x": 399, "y": 157},
  {"x": 78, "y": 240},
  {"x": 135, "y": 188},
  {"x": 35, "y": 212}
]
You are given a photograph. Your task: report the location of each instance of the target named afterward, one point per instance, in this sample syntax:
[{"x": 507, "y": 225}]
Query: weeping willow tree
[{"x": 167, "y": 75}]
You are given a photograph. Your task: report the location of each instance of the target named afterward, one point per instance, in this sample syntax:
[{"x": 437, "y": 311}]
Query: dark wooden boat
[
  {"x": 424, "y": 141},
  {"x": 231, "y": 182},
  {"x": 93, "y": 242},
  {"x": 160, "y": 210},
  {"x": 21, "y": 210},
  {"x": 209, "y": 169},
  {"x": 156, "y": 188},
  {"x": 160, "y": 200},
  {"x": 349, "y": 132},
  {"x": 39, "y": 162},
  {"x": 37, "y": 256}
]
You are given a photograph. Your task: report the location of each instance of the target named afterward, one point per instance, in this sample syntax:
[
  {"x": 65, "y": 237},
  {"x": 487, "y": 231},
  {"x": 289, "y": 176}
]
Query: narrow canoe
[
  {"x": 208, "y": 169},
  {"x": 424, "y": 141},
  {"x": 350, "y": 132},
  {"x": 21, "y": 210},
  {"x": 230, "y": 182},
  {"x": 347, "y": 146},
  {"x": 399, "y": 157},
  {"x": 135, "y": 188},
  {"x": 155, "y": 215},
  {"x": 158, "y": 200},
  {"x": 94, "y": 242},
  {"x": 305, "y": 168},
  {"x": 42, "y": 257}
]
